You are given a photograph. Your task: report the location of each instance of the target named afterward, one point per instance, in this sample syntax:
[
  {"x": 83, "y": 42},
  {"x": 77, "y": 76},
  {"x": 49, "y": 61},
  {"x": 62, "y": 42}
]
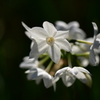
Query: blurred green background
[{"x": 14, "y": 45}]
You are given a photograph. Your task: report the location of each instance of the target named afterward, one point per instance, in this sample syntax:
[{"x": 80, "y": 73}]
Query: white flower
[
  {"x": 74, "y": 31},
  {"x": 38, "y": 73},
  {"x": 29, "y": 63},
  {"x": 96, "y": 45},
  {"x": 49, "y": 40},
  {"x": 69, "y": 75}
]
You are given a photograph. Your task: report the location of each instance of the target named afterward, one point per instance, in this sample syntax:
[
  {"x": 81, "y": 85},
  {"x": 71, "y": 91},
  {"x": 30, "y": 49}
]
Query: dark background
[{"x": 14, "y": 45}]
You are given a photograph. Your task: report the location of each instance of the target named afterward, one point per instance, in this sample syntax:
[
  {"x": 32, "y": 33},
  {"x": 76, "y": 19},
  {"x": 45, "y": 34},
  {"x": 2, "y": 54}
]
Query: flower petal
[
  {"x": 34, "y": 51},
  {"x": 81, "y": 77},
  {"x": 60, "y": 25},
  {"x": 60, "y": 72},
  {"x": 63, "y": 44},
  {"x": 83, "y": 70},
  {"x": 29, "y": 63},
  {"x": 76, "y": 33},
  {"x": 95, "y": 28},
  {"x": 96, "y": 43},
  {"x": 54, "y": 53},
  {"x": 98, "y": 36},
  {"x": 68, "y": 80},
  {"x": 61, "y": 34},
  {"x": 47, "y": 79},
  {"x": 73, "y": 24},
  {"x": 89, "y": 80},
  {"x": 42, "y": 47},
  {"x": 49, "y": 28},
  {"x": 92, "y": 58},
  {"x": 35, "y": 32}
]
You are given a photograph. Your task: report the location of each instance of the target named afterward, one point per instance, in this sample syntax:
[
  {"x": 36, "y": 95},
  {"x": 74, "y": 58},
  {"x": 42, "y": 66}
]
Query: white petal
[
  {"x": 83, "y": 70},
  {"x": 54, "y": 53},
  {"x": 73, "y": 24},
  {"x": 33, "y": 76},
  {"x": 28, "y": 34},
  {"x": 68, "y": 80},
  {"x": 26, "y": 58},
  {"x": 35, "y": 73},
  {"x": 61, "y": 71},
  {"x": 42, "y": 47},
  {"x": 76, "y": 33},
  {"x": 35, "y": 32},
  {"x": 95, "y": 28},
  {"x": 34, "y": 51},
  {"x": 96, "y": 43},
  {"x": 39, "y": 32},
  {"x": 61, "y": 25},
  {"x": 81, "y": 77},
  {"x": 92, "y": 58},
  {"x": 61, "y": 34},
  {"x": 49, "y": 28},
  {"x": 89, "y": 80},
  {"x": 74, "y": 71},
  {"x": 98, "y": 36},
  {"x": 28, "y": 63},
  {"x": 47, "y": 80},
  {"x": 63, "y": 44}
]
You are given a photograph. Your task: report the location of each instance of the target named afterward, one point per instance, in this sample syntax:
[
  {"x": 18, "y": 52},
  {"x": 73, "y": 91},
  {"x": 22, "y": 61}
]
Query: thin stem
[
  {"x": 49, "y": 66},
  {"x": 85, "y": 42},
  {"x": 69, "y": 60},
  {"x": 43, "y": 61},
  {"x": 82, "y": 54}
]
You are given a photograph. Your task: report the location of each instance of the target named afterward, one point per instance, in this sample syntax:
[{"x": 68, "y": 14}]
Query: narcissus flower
[
  {"x": 74, "y": 31},
  {"x": 69, "y": 75},
  {"x": 38, "y": 73},
  {"x": 49, "y": 40},
  {"x": 96, "y": 45},
  {"x": 29, "y": 63}
]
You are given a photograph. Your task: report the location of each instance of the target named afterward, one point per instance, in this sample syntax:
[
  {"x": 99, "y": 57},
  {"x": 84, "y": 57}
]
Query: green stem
[
  {"x": 49, "y": 66},
  {"x": 85, "y": 42},
  {"x": 82, "y": 54},
  {"x": 69, "y": 60},
  {"x": 43, "y": 61}
]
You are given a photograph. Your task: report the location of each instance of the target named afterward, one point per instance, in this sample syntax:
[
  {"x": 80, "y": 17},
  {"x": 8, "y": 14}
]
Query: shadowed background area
[{"x": 14, "y": 45}]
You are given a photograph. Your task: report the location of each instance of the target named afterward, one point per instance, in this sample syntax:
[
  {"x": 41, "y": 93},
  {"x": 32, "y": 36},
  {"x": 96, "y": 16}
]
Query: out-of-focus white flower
[
  {"x": 74, "y": 31},
  {"x": 69, "y": 75},
  {"x": 38, "y": 73},
  {"x": 49, "y": 40},
  {"x": 29, "y": 63},
  {"x": 96, "y": 45}
]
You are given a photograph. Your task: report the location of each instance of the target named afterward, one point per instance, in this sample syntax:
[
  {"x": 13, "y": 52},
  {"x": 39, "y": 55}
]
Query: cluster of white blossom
[{"x": 60, "y": 51}]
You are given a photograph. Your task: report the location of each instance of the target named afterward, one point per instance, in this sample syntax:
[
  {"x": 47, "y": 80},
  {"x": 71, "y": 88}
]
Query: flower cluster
[{"x": 60, "y": 51}]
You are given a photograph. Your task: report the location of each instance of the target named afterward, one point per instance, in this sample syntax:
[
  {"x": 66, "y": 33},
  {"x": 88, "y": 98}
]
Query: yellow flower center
[{"x": 50, "y": 40}]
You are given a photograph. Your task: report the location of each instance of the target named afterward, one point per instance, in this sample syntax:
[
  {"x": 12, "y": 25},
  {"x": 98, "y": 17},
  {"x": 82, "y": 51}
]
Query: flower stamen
[{"x": 50, "y": 40}]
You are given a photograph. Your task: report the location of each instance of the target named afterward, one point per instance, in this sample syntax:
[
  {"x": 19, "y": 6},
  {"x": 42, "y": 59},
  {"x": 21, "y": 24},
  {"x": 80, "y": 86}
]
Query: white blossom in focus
[
  {"x": 69, "y": 75},
  {"x": 49, "y": 40},
  {"x": 38, "y": 73}
]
